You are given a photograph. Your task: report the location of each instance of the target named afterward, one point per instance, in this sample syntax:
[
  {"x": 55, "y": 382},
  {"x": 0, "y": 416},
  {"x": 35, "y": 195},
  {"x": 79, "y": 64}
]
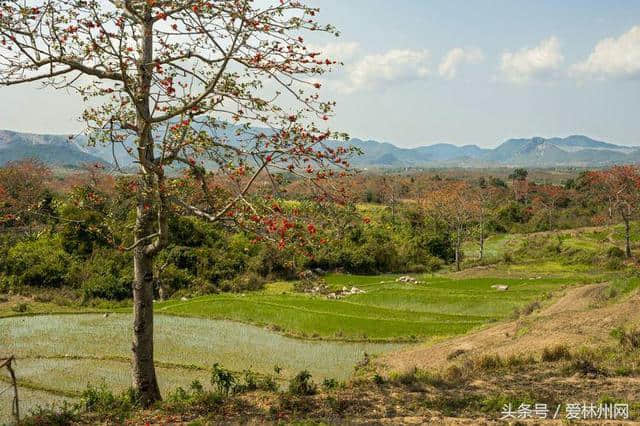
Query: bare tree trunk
[
  {"x": 481, "y": 240},
  {"x": 627, "y": 231},
  {"x": 458, "y": 250},
  {"x": 150, "y": 195},
  {"x": 144, "y": 375}
]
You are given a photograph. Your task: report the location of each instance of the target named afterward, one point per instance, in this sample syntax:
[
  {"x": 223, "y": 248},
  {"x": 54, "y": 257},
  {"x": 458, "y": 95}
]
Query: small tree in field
[
  {"x": 454, "y": 205},
  {"x": 619, "y": 187},
  {"x": 224, "y": 89},
  {"x": 22, "y": 191},
  {"x": 481, "y": 201},
  {"x": 520, "y": 184}
]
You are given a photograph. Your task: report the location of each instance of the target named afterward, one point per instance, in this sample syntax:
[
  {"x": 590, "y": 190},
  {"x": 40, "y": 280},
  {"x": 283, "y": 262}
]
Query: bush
[
  {"x": 249, "y": 281},
  {"x": 489, "y": 362},
  {"x": 38, "y": 263},
  {"x": 556, "y": 353},
  {"x": 20, "y": 307},
  {"x": 329, "y": 384},
  {"x": 108, "y": 274},
  {"x": 222, "y": 379},
  {"x": 253, "y": 382},
  {"x": 195, "y": 400},
  {"x": 301, "y": 384},
  {"x": 173, "y": 279},
  {"x": 614, "y": 264},
  {"x": 615, "y": 253},
  {"x": 530, "y": 308},
  {"x": 102, "y": 401},
  {"x": 63, "y": 415},
  {"x": 629, "y": 340},
  {"x": 584, "y": 366}
]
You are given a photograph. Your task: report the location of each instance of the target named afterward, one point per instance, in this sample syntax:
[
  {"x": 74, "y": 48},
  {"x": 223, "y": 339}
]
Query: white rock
[
  {"x": 184, "y": 299},
  {"x": 500, "y": 287}
]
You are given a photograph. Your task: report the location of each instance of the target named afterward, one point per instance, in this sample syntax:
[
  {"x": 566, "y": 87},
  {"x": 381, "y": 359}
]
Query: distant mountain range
[{"x": 572, "y": 151}]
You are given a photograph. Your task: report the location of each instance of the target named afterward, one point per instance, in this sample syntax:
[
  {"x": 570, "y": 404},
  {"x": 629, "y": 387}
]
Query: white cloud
[
  {"x": 612, "y": 57},
  {"x": 531, "y": 63},
  {"x": 449, "y": 66},
  {"x": 336, "y": 51},
  {"x": 392, "y": 67}
]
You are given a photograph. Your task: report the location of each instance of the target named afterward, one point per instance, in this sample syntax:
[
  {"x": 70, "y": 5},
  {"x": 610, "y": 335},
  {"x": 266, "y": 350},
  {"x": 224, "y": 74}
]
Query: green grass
[{"x": 388, "y": 311}]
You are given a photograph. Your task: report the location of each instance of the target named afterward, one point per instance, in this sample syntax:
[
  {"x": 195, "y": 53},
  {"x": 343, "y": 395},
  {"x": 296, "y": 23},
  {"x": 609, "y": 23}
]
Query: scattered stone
[
  {"x": 406, "y": 279},
  {"x": 184, "y": 299},
  {"x": 345, "y": 292},
  {"x": 500, "y": 287}
]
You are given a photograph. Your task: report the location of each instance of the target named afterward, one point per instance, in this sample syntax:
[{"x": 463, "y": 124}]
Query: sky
[{"x": 419, "y": 72}]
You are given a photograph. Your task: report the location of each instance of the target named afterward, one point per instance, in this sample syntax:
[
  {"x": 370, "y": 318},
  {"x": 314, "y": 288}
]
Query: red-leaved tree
[
  {"x": 619, "y": 187},
  {"x": 224, "y": 89}
]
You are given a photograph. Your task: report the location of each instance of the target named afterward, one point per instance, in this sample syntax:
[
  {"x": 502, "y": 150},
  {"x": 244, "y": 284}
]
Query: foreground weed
[{"x": 556, "y": 353}]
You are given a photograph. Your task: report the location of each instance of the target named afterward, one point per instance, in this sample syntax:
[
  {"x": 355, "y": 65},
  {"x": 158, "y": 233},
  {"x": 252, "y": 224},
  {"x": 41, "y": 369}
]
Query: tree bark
[
  {"x": 627, "y": 231},
  {"x": 481, "y": 240},
  {"x": 458, "y": 250},
  {"x": 144, "y": 375},
  {"x": 149, "y": 196}
]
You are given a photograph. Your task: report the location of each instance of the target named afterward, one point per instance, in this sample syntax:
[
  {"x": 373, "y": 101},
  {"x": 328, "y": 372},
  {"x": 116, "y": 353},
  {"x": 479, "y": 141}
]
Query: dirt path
[{"x": 574, "y": 319}]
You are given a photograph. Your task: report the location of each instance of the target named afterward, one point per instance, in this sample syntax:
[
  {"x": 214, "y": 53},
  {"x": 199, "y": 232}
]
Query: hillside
[
  {"x": 572, "y": 151},
  {"x": 51, "y": 149}
]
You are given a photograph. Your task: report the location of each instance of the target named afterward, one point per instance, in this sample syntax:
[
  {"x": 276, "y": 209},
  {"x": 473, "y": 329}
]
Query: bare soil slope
[{"x": 579, "y": 316}]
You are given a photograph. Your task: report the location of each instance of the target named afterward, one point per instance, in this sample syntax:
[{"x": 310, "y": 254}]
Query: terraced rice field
[
  {"x": 387, "y": 311},
  {"x": 60, "y": 355}
]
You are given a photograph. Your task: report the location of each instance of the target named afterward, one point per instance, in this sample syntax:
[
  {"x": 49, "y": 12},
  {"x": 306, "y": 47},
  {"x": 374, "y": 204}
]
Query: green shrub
[
  {"x": 20, "y": 307},
  {"x": 222, "y": 379},
  {"x": 301, "y": 384},
  {"x": 614, "y": 264},
  {"x": 629, "y": 340},
  {"x": 194, "y": 400},
  {"x": 615, "y": 253},
  {"x": 102, "y": 401},
  {"x": 378, "y": 379},
  {"x": 329, "y": 384},
  {"x": 249, "y": 281},
  {"x": 62, "y": 415},
  {"x": 173, "y": 279},
  {"x": 252, "y": 382},
  {"x": 38, "y": 263},
  {"x": 107, "y": 274}
]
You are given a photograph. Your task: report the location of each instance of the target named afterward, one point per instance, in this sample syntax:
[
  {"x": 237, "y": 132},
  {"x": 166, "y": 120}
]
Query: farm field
[
  {"x": 436, "y": 307},
  {"x": 60, "y": 355},
  {"x": 56, "y": 351},
  {"x": 278, "y": 326}
]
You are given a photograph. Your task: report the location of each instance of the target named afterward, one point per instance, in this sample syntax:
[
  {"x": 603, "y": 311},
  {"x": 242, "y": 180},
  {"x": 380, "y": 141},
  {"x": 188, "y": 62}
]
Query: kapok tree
[
  {"x": 619, "y": 187},
  {"x": 546, "y": 200},
  {"x": 481, "y": 201},
  {"x": 520, "y": 184},
  {"x": 225, "y": 89},
  {"x": 455, "y": 205},
  {"x": 23, "y": 186}
]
